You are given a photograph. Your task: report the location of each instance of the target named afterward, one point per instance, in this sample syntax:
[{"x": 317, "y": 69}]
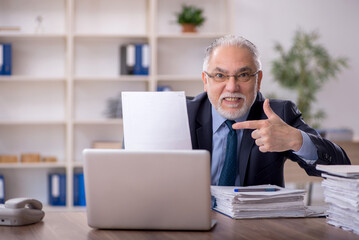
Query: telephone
[{"x": 21, "y": 211}]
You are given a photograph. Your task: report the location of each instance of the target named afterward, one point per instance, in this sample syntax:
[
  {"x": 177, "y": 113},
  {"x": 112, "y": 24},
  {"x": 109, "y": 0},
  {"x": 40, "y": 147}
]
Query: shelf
[
  {"x": 32, "y": 122},
  {"x": 31, "y": 36},
  {"x": 109, "y": 36},
  {"x": 99, "y": 122},
  {"x": 31, "y": 79},
  {"x": 124, "y": 78},
  {"x": 60, "y": 164},
  {"x": 190, "y": 35}
]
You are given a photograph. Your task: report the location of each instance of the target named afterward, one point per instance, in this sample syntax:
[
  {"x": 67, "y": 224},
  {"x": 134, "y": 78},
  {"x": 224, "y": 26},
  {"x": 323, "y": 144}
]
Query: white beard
[{"x": 232, "y": 115}]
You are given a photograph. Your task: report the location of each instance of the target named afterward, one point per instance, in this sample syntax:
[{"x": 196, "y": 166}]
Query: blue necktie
[{"x": 228, "y": 174}]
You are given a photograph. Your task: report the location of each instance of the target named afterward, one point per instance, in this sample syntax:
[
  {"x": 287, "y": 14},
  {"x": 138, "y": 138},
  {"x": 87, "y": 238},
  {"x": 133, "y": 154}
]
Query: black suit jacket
[{"x": 256, "y": 167}]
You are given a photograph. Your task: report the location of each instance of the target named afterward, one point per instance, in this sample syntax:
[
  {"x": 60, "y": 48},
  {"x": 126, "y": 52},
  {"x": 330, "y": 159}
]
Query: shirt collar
[{"x": 218, "y": 120}]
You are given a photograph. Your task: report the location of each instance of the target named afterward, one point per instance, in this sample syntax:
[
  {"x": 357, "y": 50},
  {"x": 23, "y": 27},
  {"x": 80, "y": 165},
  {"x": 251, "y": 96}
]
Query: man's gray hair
[{"x": 232, "y": 40}]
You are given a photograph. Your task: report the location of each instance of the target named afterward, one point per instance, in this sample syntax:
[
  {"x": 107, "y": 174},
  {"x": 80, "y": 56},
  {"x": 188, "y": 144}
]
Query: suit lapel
[
  {"x": 204, "y": 139},
  {"x": 204, "y": 121},
  {"x": 247, "y": 140}
]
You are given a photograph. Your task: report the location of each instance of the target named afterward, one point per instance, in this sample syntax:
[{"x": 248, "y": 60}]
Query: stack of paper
[
  {"x": 262, "y": 201},
  {"x": 341, "y": 192}
]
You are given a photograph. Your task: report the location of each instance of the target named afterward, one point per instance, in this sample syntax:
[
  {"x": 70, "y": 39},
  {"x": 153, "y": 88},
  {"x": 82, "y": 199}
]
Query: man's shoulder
[
  {"x": 280, "y": 103},
  {"x": 273, "y": 102},
  {"x": 200, "y": 97},
  {"x": 279, "y": 106},
  {"x": 199, "y": 108},
  {"x": 197, "y": 101},
  {"x": 286, "y": 109}
]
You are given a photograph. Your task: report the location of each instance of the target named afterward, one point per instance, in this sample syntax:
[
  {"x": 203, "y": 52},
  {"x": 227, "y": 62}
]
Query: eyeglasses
[{"x": 241, "y": 77}]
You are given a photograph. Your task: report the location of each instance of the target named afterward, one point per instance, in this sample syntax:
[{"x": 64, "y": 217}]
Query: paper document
[
  {"x": 340, "y": 170},
  {"x": 155, "y": 121}
]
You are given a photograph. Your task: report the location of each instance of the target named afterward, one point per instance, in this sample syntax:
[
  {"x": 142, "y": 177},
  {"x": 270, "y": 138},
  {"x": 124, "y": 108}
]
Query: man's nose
[{"x": 231, "y": 84}]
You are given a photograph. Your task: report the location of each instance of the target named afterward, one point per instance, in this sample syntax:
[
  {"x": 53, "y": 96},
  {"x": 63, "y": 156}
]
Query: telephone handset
[{"x": 21, "y": 211}]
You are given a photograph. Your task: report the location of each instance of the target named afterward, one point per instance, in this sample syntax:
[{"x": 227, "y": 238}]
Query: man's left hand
[{"x": 272, "y": 134}]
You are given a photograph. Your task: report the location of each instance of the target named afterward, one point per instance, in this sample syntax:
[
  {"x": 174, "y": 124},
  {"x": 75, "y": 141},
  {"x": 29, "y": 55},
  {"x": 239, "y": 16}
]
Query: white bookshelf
[
  {"x": 33, "y": 166},
  {"x": 54, "y": 103}
]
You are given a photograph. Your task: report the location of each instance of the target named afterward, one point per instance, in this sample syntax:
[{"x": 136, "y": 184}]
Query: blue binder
[
  {"x": 145, "y": 64},
  {"x": 57, "y": 189},
  {"x": 2, "y": 189},
  {"x": 5, "y": 59},
  {"x": 79, "y": 190},
  {"x": 142, "y": 60}
]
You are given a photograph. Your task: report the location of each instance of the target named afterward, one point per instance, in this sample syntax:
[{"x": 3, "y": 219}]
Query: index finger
[{"x": 254, "y": 124}]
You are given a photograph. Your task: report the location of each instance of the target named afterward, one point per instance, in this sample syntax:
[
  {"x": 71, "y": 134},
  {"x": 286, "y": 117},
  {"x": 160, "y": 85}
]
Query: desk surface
[{"x": 73, "y": 225}]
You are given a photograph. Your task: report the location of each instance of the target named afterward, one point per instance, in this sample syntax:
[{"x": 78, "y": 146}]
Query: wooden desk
[{"x": 73, "y": 225}]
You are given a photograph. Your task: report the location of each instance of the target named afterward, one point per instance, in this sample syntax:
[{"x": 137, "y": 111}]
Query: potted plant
[
  {"x": 190, "y": 17},
  {"x": 305, "y": 67}
]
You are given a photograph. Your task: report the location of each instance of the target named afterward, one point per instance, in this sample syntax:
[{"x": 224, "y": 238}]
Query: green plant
[
  {"x": 190, "y": 15},
  {"x": 305, "y": 67}
]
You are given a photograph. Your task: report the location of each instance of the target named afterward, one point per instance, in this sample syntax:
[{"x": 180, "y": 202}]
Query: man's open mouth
[{"x": 232, "y": 99}]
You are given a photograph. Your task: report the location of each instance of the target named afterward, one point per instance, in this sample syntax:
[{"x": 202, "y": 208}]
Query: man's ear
[
  {"x": 204, "y": 79},
  {"x": 259, "y": 80}
]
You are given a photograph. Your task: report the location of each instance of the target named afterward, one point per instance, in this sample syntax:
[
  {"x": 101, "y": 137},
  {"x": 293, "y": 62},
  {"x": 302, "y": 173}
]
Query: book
[
  {"x": 79, "y": 190},
  {"x": 8, "y": 159},
  {"x": 261, "y": 201},
  {"x": 2, "y": 189},
  {"x": 49, "y": 159},
  {"x": 30, "y": 158},
  {"x": 57, "y": 189},
  {"x": 5, "y": 59}
]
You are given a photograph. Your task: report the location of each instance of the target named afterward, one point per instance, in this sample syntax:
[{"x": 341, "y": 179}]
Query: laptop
[{"x": 152, "y": 189}]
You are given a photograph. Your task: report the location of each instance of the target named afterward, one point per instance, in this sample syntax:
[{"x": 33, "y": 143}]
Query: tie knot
[{"x": 229, "y": 124}]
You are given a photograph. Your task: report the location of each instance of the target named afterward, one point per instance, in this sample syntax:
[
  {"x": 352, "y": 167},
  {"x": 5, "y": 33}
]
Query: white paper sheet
[
  {"x": 155, "y": 121},
  {"x": 340, "y": 170}
]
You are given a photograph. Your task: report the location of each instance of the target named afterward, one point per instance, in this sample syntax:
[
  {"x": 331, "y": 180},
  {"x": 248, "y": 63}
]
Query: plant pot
[{"x": 189, "y": 28}]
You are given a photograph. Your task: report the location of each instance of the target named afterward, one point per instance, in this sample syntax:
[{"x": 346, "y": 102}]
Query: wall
[{"x": 265, "y": 22}]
